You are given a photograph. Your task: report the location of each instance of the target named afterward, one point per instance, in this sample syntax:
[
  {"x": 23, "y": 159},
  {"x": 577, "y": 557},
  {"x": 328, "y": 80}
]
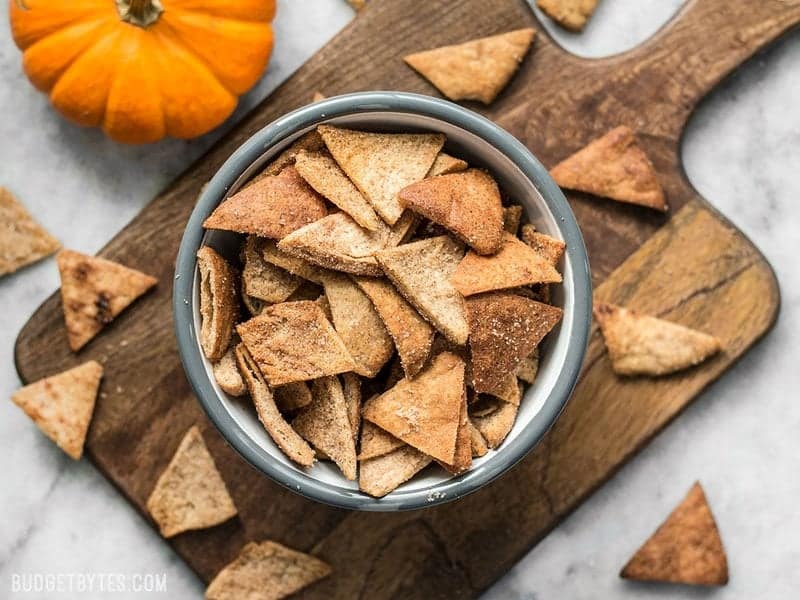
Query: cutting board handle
[{"x": 707, "y": 39}]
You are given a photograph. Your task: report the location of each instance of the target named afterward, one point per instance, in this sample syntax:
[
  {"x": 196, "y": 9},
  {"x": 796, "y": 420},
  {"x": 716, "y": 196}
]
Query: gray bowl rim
[{"x": 244, "y": 157}]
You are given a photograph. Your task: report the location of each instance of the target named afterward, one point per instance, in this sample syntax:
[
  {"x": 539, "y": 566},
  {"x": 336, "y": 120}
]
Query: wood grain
[{"x": 697, "y": 269}]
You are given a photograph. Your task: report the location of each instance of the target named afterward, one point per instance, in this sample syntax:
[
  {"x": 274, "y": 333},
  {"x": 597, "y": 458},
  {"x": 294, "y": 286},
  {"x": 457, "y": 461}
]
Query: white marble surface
[{"x": 740, "y": 438}]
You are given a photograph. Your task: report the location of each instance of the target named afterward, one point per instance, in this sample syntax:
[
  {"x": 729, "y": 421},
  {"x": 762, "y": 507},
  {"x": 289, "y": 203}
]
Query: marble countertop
[{"x": 740, "y": 439}]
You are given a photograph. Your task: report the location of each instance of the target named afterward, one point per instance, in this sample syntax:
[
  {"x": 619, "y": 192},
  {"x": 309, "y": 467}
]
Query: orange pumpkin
[{"x": 144, "y": 69}]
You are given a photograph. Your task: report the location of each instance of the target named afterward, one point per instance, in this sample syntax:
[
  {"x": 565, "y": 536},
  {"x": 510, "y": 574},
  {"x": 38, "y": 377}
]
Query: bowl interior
[{"x": 324, "y": 481}]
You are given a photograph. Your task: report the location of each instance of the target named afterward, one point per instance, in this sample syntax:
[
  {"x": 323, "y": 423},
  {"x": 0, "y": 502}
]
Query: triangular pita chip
[
  {"x": 292, "y": 264},
  {"x": 379, "y": 476},
  {"x": 514, "y": 265},
  {"x": 504, "y": 329},
  {"x": 466, "y": 203},
  {"x": 227, "y": 375},
  {"x": 326, "y": 424},
  {"x": 424, "y": 411},
  {"x": 512, "y": 215},
  {"x": 613, "y": 166},
  {"x": 309, "y": 141},
  {"x": 339, "y": 243},
  {"x": 292, "y": 396},
  {"x": 412, "y": 334},
  {"x": 462, "y": 458},
  {"x": 272, "y": 207},
  {"x": 219, "y": 303},
  {"x": 382, "y": 164},
  {"x": 686, "y": 548},
  {"x": 351, "y": 386},
  {"x": 264, "y": 280},
  {"x": 358, "y": 324},
  {"x": 548, "y": 247},
  {"x": 644, "y": 345},
  {"x": 475, "y": 70},
  {"x": 570, "y": 14},
  {"x": 94, "y": 291},
  {"x": 445, "y": 164},
  {"x": 294, "y": 341},
  {"x": 376, "y": 442},
  {"x": 266, "y": 571},
  {"x": 495, "y": 426},
  {"x": 61, "y": 405},
  {"x": 190, "y": 493},
  {"x": 421, "y": 272},
  {"x": 477, "y": 443},
  {"x": 324, "y": 175},
  {"x": 22, "y": 240},
  {"x": 286, "y": 438}
]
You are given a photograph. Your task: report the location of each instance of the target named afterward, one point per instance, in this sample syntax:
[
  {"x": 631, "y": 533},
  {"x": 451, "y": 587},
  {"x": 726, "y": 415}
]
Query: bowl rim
[{"x": 287, "y": 126}]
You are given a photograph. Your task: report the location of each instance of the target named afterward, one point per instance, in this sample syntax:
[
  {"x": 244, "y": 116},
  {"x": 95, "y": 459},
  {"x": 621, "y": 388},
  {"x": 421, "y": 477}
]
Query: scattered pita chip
[
  {"x": 544, "y": 245},
  {"x": 358, "y": 324},
  {"x": 339, "y": 243},
  {"x": 495, "y": 426},
  {"x": 62, "y": 405},
  {"x": 22, "y": 240},
  {"x": 529, "y": 367},
  {"x": 475, "y": 70},
  {"x": 326, "y": 424},
  {"x": 411, "y": 333},
  {"x": 286, "y": 438},
  {"x": 421, "y": 271},
  {"x": 644, "y": 345},
  {"x": 263, "y": 280},
  {"x": 324, "y": 175},
  {"x": 379, "y": 476},
  {"x": 445, "y": 164},
  {"x": 462, "y": 458},
  {"x": 351, "y": 386},
  {"x": 296, "y": 266},
  {"x": 292, "y": 396},
  {"x": 477, "y": 443},
  {"x": 514, "y": 265},
  {"x": 310, "y": 141},
  {"x": 570, "y": 14},
  {"x": 219, "y": 306},
  {"x": 266, "y": 571},
  {"x": 382, "y": 164},
  {"x": 424, "y": 411},
  {"x": 317, "y": 97},
  {"x": 466, "y": 203},
  {"x": 94, "y": 291},
  {"x": 190, "y": 493},
  {"x": 504, "y": 329},
  {"x": 227, "y": 374},
  {"x": 272, "y": 207},
  {"x": 686, "y": 548},
  {"x": 376, "y": 442},
  {"x": 512, "y": 216},
  {"x": 613, "y": 166},
  {"x": 293, "y": 341}
]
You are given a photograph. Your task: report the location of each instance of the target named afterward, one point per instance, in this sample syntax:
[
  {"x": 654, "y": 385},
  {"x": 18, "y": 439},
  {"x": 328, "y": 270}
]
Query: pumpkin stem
[{"x": 139, "y": 12}]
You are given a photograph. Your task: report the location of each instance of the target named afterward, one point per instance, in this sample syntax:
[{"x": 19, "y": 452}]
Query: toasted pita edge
[
  {"x": 219, "y": 305},
  {"x": 381, "y": 475}
]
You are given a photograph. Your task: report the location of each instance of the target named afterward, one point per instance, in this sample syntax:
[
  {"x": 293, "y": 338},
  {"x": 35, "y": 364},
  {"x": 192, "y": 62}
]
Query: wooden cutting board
[{"x": 692, "y": 266}]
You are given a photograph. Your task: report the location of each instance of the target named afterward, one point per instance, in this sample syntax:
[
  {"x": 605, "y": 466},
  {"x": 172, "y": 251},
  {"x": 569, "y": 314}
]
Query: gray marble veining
[{"x": 742, "y": 151}]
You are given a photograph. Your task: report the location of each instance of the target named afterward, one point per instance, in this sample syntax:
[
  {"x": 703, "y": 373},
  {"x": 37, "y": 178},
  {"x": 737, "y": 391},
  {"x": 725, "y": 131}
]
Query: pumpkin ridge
[{"x": 28, "y": 27}]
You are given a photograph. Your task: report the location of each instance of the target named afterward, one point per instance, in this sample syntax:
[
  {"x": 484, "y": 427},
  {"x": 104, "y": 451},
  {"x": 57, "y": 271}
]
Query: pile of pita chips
[
  {"x": 644, "y": 345},
  {"x": 190, "y": 493},
  {"x": 686, "y": 548},
  {"x": 62, "y": 405},
  {"x": 22, "y": 240},
  {"x": 570, "y": 14},
  {"x": 613, "y": 166},
  {"x": 475, "y": 70},
  {"x": 407, "y": 285}
]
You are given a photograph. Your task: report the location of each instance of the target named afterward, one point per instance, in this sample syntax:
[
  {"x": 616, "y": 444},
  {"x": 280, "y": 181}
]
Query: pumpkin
[{"x": 144, "y": 69}]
